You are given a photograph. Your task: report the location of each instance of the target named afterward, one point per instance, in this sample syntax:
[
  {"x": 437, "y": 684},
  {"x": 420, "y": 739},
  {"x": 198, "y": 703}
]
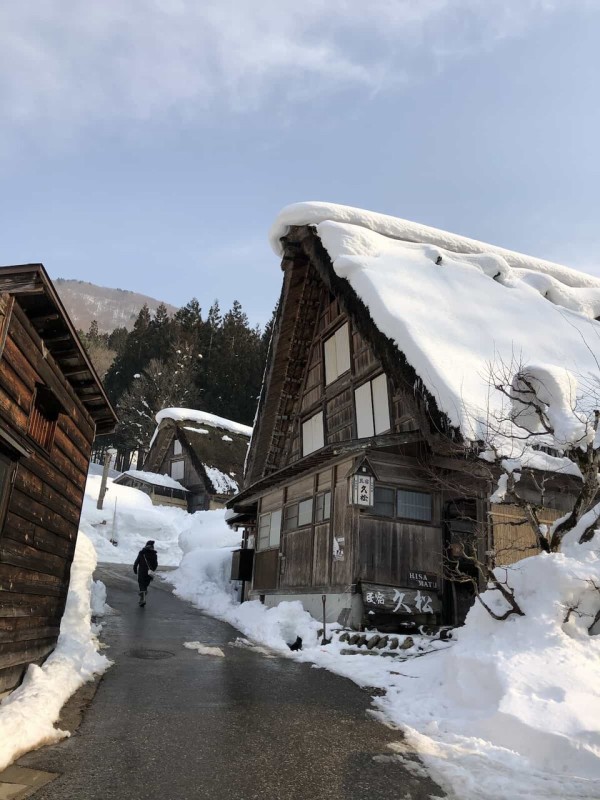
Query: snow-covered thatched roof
[
  {"x": 217, "y": 446},
  {"x": 203, "y": 418},
  {"x": 456, "y": 307},
  {"x": 152, "y": 478}
]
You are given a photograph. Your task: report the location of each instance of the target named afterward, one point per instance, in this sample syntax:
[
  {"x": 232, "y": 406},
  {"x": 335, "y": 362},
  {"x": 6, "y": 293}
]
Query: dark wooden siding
[
  {"x": 39, "y": 533},
  {"x": 388, "y": 549},
  {"x": 266, "y": 570}
]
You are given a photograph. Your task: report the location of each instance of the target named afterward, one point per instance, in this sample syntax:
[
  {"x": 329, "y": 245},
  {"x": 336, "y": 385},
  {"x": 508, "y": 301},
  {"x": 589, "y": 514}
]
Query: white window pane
[
  {"x": 275, "y": 534},
  {"x": 307, "y": 437},
  {"x": 177, "y": 470},
  {"x": 364, "y": 411},
  {"x": 318, "y": 434},
  {"x": 331, "y": 371},
  {"x": 381, "y": 406},
  {"x": 263, "y": 531},
  {"x": 305, "y": 509},
  {"x": 177, "y": 448},
  {"x": 342, "y": 346}
]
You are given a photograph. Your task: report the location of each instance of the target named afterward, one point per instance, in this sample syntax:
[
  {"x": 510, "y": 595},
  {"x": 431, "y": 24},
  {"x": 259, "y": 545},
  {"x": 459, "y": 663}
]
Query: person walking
[{"x": 145, "y": 563}]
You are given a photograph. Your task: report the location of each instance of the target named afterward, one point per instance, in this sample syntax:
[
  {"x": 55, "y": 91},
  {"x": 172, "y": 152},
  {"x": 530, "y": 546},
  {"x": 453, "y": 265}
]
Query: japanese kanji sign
[
  {"x": 393, "y": 600},
  {"x": 362, "y": 490}
]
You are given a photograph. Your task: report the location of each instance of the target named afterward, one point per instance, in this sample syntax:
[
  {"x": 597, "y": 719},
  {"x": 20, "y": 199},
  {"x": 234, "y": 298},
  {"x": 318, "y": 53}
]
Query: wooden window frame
[
  {"x": 295, "y": 506},
  {"x": 43, "y": 418},
  {"x": 332, "y": 349},
  {"x": 172, "y": 464},
  {"x": 320, "y": 500},
  {"x": 396, "y": 515},
  {"x": 260, "y": 547},
  {"x": 310, "y": 422},
  {"x": 372, "y": 406}
]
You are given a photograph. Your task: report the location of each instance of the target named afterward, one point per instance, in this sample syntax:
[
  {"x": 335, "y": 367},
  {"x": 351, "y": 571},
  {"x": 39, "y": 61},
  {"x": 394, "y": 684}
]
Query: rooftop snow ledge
[
  {"x": 314, "y": 212},
  {"x": 203, "y": 418}
]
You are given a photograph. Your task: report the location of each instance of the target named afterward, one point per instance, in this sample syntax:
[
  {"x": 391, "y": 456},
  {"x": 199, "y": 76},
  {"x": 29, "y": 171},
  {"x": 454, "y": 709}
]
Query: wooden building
[
  {"x": 364, "y": 469},
  {"x": 203, "y": 452},
  {"x": 161, "y": 489},
  {"x": 52, "y": 404}
]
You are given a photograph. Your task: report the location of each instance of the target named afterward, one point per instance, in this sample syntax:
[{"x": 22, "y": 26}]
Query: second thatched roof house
[{"x": 203, "y": 452}]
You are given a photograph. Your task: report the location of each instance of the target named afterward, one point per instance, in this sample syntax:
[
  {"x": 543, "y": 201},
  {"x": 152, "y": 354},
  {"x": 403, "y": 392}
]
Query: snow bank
[
  {"x": 28, "y": 715},
  {"x": 130, "y": 519},
  {"x": 203, "y": 418}
]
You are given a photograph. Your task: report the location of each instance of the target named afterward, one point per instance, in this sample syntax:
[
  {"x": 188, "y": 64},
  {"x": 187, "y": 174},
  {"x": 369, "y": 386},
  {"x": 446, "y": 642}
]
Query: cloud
[{"x": 72, "y": 63}]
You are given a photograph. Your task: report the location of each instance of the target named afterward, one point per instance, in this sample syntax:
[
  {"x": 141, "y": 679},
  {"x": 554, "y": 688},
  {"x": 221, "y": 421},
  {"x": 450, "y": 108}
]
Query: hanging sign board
[
  {"x": 398, "y": 600},
  {"x": 362, "y": 490}
]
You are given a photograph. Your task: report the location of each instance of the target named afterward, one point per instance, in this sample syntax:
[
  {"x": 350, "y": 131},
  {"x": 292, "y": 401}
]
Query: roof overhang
[{"x": 30, "y": 285}]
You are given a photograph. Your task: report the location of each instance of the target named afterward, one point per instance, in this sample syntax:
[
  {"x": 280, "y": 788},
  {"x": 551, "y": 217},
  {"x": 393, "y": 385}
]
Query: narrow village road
[{"x": 244, "y": 726}]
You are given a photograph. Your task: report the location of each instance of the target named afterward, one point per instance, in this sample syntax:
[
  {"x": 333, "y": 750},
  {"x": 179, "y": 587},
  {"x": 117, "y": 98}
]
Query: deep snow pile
[
  {"x": 28, "y": 715},
  {"x": 129, "y": 519},
  {"x": 513, "y": 708}
]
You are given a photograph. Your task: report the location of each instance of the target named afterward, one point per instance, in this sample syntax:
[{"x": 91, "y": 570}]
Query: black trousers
[{"x": 143, "y": 582}]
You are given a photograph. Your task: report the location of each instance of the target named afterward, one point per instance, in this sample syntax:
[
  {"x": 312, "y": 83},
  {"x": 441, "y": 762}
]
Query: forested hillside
[
  {"x": 109, "y": 308},
  {"x": 212, "y": 362}
]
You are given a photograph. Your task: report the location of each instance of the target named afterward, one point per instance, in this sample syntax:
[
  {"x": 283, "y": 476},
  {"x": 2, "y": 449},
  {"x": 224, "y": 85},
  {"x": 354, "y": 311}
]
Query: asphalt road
[{"x": 244, "y": 726}]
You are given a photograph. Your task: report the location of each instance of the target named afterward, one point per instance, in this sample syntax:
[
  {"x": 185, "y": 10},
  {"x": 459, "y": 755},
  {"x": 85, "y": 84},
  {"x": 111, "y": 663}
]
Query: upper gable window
[
  {"x": 372, "y": 408},
  {"x": 337, "y": 354},
  {"x": 177, "y": 449},
  {"x": 43, "y": 417},
  {"x": 312, "y": 434},
  {"x": 177, "y": 470}
]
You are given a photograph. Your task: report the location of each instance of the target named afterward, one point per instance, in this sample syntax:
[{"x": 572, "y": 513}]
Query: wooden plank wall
[
  {"x": 38, "y": 538},
  {"x": 515, "y": 539},
  {"x": 389, "y": 549}
]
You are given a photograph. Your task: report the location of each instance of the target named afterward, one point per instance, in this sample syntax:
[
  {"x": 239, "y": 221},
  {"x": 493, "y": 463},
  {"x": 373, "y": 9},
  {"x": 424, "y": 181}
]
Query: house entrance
[{"x": 462, "y": 550}]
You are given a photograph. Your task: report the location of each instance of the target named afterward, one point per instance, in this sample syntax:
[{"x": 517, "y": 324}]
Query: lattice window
[{"x": 43, "y": 418}]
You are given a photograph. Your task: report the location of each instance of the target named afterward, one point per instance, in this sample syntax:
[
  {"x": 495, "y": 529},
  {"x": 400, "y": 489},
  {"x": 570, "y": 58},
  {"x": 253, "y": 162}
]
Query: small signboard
[
  {"x": 338, "y": 548},
  {"x": 363, "y": 487},
  {"x": 398, "y": 600},
  {"x": 423, "y": 580}
]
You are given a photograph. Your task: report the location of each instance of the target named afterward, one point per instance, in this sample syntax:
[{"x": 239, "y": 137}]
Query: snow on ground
[
  {"x": 129, "y": 518},
  {"x": 28, "y": 714},
  {"x": 506, "y": 710}
]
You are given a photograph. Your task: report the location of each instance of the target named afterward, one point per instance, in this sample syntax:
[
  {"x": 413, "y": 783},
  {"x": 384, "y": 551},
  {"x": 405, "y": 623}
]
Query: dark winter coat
[{"x": 146, "y": 560}]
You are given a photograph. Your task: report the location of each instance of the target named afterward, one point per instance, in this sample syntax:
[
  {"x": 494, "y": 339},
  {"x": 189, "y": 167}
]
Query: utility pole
[{"x": 103, "y": 482}]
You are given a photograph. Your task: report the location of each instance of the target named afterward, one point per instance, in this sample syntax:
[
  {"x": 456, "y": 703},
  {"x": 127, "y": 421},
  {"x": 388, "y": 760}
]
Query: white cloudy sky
[{"x": 148, "y": 145}]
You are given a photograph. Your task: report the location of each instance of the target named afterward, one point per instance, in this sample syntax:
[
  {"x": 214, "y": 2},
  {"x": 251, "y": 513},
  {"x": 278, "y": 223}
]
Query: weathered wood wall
[
  {"x": 513, "y": 537},
  {"x": 39, "y": 533}
]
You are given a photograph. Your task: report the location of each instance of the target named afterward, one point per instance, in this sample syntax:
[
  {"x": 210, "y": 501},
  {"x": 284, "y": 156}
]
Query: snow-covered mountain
[{"x": 111, "y": 308}]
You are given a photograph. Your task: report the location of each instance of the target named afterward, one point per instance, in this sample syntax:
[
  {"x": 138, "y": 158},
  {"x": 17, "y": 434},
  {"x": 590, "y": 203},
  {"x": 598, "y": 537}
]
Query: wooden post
[{"x": 103, "y": 482}]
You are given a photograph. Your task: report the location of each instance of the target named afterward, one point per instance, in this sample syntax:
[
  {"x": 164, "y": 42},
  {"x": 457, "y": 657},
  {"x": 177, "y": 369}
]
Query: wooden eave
[
  {"x": 31, "y": 287},
  {"x": 316, "y": 459}
]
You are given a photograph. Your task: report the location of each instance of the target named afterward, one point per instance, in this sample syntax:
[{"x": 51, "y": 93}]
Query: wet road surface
[{"x": 175, "y": 725}]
